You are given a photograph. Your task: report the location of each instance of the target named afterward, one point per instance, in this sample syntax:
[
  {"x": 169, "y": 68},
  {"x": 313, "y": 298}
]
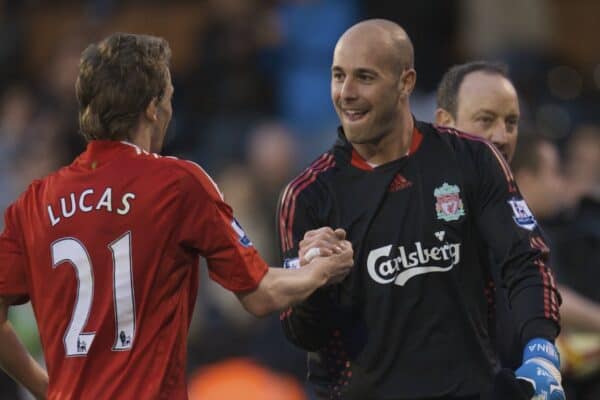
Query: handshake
[{"x": 328, "y": 252}]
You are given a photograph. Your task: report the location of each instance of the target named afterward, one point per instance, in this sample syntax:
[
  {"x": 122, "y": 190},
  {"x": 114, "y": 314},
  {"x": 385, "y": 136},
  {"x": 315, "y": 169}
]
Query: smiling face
[
  {"x": 368, "y": 86},
  {"x": 488, "y": 106}
]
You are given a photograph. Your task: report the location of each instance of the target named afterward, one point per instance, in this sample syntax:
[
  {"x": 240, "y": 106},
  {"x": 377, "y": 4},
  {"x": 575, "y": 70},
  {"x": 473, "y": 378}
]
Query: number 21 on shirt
[{"x": 73, "y": 251}]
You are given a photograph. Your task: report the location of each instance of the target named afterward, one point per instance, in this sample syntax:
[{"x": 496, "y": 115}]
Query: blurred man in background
[
  {"x": 422, "y": 204},
  {"x": 538, "y": 171},
  {"x": 479, "y": 98}
]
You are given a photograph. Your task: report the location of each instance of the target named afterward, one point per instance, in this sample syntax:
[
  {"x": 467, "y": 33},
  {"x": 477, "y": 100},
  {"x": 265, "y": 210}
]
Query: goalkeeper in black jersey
[{"x": 423, "y": 206}]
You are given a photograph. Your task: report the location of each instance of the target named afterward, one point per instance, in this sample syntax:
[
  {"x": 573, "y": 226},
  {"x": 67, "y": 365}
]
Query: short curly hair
[
  {"x": 447, "y": 93},
  {"x": 118, "y": 77}
]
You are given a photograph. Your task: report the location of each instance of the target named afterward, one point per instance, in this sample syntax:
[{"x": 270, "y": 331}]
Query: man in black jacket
[{"x": 424, "y": 207}]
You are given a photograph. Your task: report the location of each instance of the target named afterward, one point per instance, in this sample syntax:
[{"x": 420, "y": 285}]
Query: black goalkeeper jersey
[{"x": 414, "y": 319}]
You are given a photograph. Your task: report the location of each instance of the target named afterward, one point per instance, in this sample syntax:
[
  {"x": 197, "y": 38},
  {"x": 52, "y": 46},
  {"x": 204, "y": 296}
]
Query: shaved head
[
  {"x": 384, "y": 34},
  {"x": 372, "y": 77}
]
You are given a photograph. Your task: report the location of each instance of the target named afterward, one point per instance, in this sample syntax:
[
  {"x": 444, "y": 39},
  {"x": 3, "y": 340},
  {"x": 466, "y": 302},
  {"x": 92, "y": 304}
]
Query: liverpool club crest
[{"x": 448, "y": 205}]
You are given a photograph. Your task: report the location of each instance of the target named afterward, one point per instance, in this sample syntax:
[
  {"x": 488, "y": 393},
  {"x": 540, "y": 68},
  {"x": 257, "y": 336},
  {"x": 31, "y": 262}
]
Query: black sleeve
[
  {"x": 306, "y": 324},
  {"x": 518, "y": 245}
]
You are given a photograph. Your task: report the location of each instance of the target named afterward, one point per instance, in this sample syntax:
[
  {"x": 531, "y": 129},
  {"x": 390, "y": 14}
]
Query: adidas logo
[{"x": 399, "y": 183}]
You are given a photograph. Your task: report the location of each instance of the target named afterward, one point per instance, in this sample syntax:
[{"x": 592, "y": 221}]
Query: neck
[
  {"x": 390, "y": 147},
  {"x": 142, "y": 138}
]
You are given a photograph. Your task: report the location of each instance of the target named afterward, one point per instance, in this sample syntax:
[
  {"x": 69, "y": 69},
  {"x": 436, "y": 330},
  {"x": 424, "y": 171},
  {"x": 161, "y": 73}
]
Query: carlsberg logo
[{"x": 408, "y": 264}]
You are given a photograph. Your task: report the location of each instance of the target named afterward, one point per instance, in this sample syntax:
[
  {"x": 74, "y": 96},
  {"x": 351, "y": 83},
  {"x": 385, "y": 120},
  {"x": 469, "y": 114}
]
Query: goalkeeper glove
[{"x": 541, "y": 368}]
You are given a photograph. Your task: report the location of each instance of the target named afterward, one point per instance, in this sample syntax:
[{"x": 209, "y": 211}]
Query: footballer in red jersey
[{"x": 107, "y": 249}]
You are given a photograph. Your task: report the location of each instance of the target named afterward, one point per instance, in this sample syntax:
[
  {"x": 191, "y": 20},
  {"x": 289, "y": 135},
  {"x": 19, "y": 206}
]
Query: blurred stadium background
[{"x": 252, "y": 106}]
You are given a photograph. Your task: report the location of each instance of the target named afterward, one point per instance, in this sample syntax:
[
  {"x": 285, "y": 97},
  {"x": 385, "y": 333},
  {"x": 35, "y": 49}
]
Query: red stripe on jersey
[
  {"x": 541, "y": 268},
  {"x": 285, "y": 314},
  {"x": 510, "y": 180},
  {"x": 285, "y": 204},
  {"x": 538, "y": 243},
  {"x": 416, "y": 140},
  {"x": 288, "y": 200},
  {"x": 329, "y": 162},
  {"x": 360, "y": 163},
  {"x": 298, "y": 180},
  {"x": 550, "y": 299}
]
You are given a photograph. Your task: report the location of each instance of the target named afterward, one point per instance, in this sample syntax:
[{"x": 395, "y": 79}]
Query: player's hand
[
  {"x": 322, "y": 242},
  {"x": 334, "y": 268},
  {"x": 506, "y": 386},
  {"x": 541, "y": 368}
]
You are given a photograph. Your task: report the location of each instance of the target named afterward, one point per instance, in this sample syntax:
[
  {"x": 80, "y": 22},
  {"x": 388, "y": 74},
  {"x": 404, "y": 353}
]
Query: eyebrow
[
  {"x": 366, "y": 71},
  {"x": 494, "y": 113},
  {"x": 360, "y": 70},
  {"x": 486, "y": 111}
]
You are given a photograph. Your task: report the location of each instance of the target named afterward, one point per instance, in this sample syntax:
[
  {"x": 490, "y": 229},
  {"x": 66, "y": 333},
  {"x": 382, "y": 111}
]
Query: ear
[
  {"x": 408, "y": 80},
  {"x": 151, "y": 110},
  {"x": 444, "y": 118}
]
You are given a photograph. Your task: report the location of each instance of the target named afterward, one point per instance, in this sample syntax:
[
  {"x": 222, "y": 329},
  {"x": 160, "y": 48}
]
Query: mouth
[{"x": 354, "y": 115}]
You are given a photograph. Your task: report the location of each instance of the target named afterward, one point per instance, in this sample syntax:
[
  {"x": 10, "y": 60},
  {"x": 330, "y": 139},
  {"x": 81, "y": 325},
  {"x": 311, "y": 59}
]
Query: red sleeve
[
  {"x": 13, "y": 278},
  {"x": 208, "y": 225}
]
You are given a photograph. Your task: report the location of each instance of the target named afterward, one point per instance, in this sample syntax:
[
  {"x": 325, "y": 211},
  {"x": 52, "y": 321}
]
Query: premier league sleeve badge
[{"x": 522, "y": 215}]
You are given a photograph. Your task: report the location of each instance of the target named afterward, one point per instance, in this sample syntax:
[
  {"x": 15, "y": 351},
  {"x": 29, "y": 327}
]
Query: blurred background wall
[{"x": 252, "y": 106}]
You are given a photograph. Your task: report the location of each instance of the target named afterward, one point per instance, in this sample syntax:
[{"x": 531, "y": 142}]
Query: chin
[
  {"x": 354, "y": 137},
  {"x": 362, "y": 135},
  {"x": 355, "y": 132}
]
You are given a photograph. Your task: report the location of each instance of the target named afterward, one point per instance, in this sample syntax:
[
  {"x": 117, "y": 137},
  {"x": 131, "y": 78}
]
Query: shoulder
[
  {"x": 467, "y": 147},
  {"x": 312, "y": 181},
  {"x": 475, "y": 153},
  {"x": 458, "y": 140},
  {"x": 33, "y": 191},
  {"x": 191, "y": 175}
]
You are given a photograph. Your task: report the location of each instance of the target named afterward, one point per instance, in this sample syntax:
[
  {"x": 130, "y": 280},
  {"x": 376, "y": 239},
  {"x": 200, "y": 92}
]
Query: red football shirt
[{"x": 107, "y": 249}]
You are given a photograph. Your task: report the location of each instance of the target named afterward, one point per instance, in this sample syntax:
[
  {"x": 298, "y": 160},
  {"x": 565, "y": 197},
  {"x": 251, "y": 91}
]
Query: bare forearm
[
  {"x": 281, "y": 288},
  {"x": 288, "y": 292},
  {"x": 19, "y": 364},
  {"x": 578, "y": 312},
  {"x": 16, "y": 361}
]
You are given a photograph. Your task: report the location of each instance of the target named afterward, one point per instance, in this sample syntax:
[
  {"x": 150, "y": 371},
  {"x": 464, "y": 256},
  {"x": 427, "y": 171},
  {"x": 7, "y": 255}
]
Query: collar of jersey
[
  {"x": 358, "y": 162},
  {"x": 101, "y": 151}
]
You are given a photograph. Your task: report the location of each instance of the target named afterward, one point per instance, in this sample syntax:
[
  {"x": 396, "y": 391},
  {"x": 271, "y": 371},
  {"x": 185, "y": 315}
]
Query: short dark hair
[
  {"x": 447, "y": 93},
  {"x": 118, "y": 77},
  {"x": 527, "y": 154}
]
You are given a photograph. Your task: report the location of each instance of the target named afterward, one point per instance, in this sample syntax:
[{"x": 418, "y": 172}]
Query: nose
[
  {"x": 499, "y": 138},
  {"x": 500, "y": 135},
  {"x": 348, "y": 90}
]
